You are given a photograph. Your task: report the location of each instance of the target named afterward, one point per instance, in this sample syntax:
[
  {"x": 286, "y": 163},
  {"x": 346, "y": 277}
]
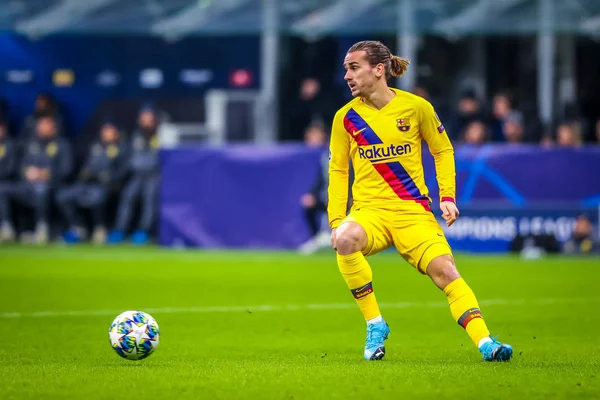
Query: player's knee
[
  {"x": 350, "y": 238},
  {"x": 442, "y": 270}
]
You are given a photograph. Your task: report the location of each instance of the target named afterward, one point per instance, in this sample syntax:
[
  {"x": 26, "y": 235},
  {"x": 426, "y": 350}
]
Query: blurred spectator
[
  {"x": 314, "y": 203},
  {"x": 475, "y": 133},
  {"x": 45, "y": 106},
  {"x": 8, "y": 156},
  {"x": 101, "y": 176},
  {"x": 313, "y": 105},
  {"x": 309, "y": 84},
  {"x": 568, "y": 135},
  {"x": 535, "y": 245},
  {"x": 598, "y": 130},
  {"x": 501, "y": 109},
  {"x": 316, "y": 136},
  {"x": 469, "y": 110},
  {"x": 143, "y": 182},
  {"x": 46, "y": 163},
  {"x": 547, "y": 141},
  {"x": 583, "y": 240},
  {"x": 421, "y": 91},
  {"x": 513, "y": 127}
]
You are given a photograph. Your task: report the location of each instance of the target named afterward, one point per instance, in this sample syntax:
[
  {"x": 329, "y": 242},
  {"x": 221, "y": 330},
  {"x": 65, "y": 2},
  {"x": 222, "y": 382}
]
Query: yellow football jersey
[{"x": 385, "y": 149}]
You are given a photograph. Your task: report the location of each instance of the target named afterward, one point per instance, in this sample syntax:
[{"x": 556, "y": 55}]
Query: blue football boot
[
  {"x": 71, "y": 237},
  {"x": 496, "y": 351},
  {"x": 140, "y": 237},
  {"x": 116, "y": 237},
  {"x": 376, "y": 334}
]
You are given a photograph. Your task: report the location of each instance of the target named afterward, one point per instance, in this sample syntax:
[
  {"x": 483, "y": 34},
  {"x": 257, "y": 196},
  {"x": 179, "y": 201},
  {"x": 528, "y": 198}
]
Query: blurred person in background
[
  {"x": 310, "y": 84},
  {"x": 421, "y": 91},
  {"x": 312, "y": 105},
  {"x": 143, "y": 182},
  {"x": 475, "y": 133},
  {"x": 8, "y": 155},
  {"x": 8, "y": 161},
  {"x": 45, "y": 106},
  {"x": 583, "y": 240},
  {"x": 512, "y": 127},
  {"x": 597, "y": 131},
  {"x": 314, "y": 202},
  {"x": 568, "y": 135},
  {"x": 501, "y": 109},
  {"x": 47, "y": 162},
  {"x": 547, "y": 141},
  {"x": 101, "y": 176},
  {"x": 469, "y": 110}
]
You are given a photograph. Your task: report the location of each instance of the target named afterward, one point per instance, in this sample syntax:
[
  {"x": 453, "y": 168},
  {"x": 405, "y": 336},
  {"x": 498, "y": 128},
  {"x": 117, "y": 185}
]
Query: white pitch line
[{"x": 289, "y": 307}]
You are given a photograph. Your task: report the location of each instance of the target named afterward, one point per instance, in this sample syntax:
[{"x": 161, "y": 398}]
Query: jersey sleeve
[
  {"x": 435, "y": 135},
  {"x": 339, "y": 158}
]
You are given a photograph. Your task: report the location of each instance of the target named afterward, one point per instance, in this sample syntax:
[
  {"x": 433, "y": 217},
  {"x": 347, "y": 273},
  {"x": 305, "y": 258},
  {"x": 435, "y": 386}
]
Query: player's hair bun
[{"x": 398, "y": 65}]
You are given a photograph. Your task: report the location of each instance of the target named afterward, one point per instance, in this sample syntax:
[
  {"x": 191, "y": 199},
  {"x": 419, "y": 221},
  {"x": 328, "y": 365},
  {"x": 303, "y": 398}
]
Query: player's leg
[
  {"x": 463, "y": 303},
  {"x": 40, "y": 198},
  {"x": 319, "y": 238},
  {"x": 351, "y": 241},
  {"x": 36, "y": 196},
  {"x": 421, "y": 241},
  {"x": 311, "y": 215},
  {"x": 358, "y": 235},
  {"x": 66, "y": 198},
  {"x": 8, "y": 190},
  {"x": 149, "y": 210},
  {"x": 94, "y": 198},
  {"x": 130, "y": 194}
]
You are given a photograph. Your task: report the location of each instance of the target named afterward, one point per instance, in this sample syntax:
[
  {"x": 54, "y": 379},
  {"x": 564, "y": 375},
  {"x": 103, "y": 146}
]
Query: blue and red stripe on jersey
[
  {"x": 360, "y": 130},
  {"x": 392, "y": 172},
  {"x": 401, "y": 182}
]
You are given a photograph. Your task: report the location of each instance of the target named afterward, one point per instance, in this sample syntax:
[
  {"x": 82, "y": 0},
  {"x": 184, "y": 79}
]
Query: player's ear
[{"x": 379, "y": 70}]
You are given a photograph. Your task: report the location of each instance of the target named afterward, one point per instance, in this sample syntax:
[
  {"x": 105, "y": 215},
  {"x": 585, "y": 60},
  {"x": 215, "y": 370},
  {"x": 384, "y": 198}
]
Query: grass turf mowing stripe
[{"x": 289, "y": 307}]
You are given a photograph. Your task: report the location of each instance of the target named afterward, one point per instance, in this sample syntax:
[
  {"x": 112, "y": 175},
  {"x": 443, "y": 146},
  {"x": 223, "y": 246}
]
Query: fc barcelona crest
[{"x": 403, "y": 124}]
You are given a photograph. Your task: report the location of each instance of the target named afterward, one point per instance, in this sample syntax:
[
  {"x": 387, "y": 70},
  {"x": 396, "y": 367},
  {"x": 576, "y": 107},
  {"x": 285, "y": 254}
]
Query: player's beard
[{"x": 362, "y": 90}]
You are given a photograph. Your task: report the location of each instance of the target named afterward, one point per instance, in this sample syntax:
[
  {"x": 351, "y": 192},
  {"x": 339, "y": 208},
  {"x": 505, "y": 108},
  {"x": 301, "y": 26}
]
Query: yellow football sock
[
  {"x": 465, "y": 310},
  {"x": 358, "y": 275}
]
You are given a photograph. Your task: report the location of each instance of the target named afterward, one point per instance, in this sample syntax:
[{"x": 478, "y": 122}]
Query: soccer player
[{"x": 381, "y": 131}]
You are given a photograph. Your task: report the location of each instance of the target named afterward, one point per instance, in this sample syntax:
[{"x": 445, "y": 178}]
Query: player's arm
[
  {"x": 339, "y": 155},
  {"x": 435, "y": 135}
]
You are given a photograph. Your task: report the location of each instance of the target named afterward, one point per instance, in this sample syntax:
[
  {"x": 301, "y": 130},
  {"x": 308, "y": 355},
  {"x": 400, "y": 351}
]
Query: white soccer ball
[{"x": 134, "y": 335}]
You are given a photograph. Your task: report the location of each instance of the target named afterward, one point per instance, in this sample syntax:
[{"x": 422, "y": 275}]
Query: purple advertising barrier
[
  {"x": 241, "y": 196},
  {"x": 246, "y": 196}
]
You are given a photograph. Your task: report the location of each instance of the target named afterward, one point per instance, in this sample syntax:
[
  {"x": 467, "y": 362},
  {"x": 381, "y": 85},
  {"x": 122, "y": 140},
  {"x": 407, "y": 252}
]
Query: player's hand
[
  {"x": 333, "y": 244},
  {"x": 308, "y": 200},
  {"x": 449, "y": 212}
]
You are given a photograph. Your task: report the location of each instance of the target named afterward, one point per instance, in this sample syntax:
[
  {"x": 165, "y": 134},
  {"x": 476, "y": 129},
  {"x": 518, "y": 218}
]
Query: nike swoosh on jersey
[{"x": 357, "y": 132}]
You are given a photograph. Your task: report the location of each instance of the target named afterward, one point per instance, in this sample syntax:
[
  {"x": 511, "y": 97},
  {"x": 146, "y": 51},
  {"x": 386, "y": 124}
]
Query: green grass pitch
[{"x": 277, "y": 325}]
